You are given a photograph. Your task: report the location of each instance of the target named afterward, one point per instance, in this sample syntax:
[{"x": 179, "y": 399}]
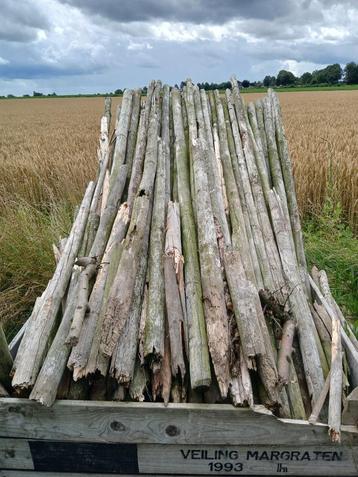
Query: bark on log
[
  {"x": 198, "y": 348},
  {"x": 42, "y": 321}
]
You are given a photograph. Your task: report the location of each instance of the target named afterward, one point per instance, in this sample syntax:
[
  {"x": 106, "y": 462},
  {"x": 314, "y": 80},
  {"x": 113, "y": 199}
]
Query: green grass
[
  {"x": 331, "y": 246},
  {"x": 26, "y": 256}
]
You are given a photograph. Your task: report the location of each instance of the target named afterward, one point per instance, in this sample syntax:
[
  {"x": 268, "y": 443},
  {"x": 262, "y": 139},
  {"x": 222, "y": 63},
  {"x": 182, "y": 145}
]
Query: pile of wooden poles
[{"x": 184, "y": 276}]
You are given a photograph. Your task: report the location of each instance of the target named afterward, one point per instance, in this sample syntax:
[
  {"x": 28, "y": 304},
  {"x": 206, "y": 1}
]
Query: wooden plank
[
  {"x": 15, "y": 454},
  {"x": 350, "y": 411},
  {"x": 53, "y": 458},
  {"x": 129, "y": 422},
  {"x": 249, "y": 460}
]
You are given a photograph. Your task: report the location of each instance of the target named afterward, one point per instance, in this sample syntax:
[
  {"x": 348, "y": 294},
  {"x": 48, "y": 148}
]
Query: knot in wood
[
  {"x": 172, "y": 430},
  {"x": 117, "y": 426}
]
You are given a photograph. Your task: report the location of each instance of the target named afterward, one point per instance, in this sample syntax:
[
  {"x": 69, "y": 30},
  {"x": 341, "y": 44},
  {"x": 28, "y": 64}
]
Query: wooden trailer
[{"x": 76, "y": 438}]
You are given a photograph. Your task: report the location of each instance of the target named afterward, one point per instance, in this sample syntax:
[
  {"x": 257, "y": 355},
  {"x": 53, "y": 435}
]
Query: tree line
[{"x": 330, "y": 75}]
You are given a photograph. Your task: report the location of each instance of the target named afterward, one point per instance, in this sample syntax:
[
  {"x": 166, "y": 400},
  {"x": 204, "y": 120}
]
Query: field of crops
[{"x": 48, "y": 154}]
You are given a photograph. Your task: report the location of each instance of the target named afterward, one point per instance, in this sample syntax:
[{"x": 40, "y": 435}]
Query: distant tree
[
  {"x": 331, "y": 74},
  {"x": 351, "y": 73},
  {"x": 245, "y": 84},
  {"x": 306, "y": 78},
  {"x": 269, "y": 81},
  {"x": 285, "y": 78},
  {"x": 25, "y": 95},
  {"x": 35, "y": 93},
  {"x": 10, "y": 96},
  {"x": 118, "y": 91}
]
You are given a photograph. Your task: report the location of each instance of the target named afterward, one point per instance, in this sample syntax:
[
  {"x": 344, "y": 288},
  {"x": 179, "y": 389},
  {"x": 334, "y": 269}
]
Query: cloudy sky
[{"x": 78, "y": 46}]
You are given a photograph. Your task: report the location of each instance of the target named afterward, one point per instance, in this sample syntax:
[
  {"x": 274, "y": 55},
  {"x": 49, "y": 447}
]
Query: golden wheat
[{"x": 322, "y": 132}]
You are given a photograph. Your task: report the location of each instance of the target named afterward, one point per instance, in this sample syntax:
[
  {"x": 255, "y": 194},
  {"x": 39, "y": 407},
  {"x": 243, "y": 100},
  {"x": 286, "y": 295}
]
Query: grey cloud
[
  {"x": 21, "y": 20},
  {"x": 199, "y": 11}
]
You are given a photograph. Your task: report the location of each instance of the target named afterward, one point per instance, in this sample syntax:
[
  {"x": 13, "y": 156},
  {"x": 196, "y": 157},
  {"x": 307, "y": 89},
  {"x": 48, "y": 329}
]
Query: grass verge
[
  {"x": 331, "y": 245},
  {"x": 26, "y": 257}
]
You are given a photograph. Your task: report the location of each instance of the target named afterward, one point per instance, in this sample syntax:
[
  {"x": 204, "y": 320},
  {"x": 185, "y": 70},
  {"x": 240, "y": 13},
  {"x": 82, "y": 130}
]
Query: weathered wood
[
  {"x": 42, "y": 321},
  {"x": 287, "y": 173},
  {"x": 83, "y": 358},
  {"x": 246, "y": 305},
  {"x": 285, "y": 351},
  {"x": 124, "y": 356},
  {"x": 318, "y": 405},
  {"x": 298, "y": 301},
  {"x": 121, "y": 294},
  {"x": 336, "y": 382},
  {"x": 139, "y": 383},
  {"x": 165, "y": 135},
  {"x": 122, "y": 129},
  {"x": 50, "y": 375},
  {"x": 6, "y": 361},
  {"x": 96, "y": 252},
  {"x": 211, "y": 276},
  {"x": 154, "y": 325},
  {"x": 15, "y": 454},
  {"x": 133, "y": 129},
  {"x": 174, "y": 290},
  {"x": 214, "y": 182},
  {"x": 243, "y": 161},
  {"x": 148, "y": 423},
  {"x": 251, "y": 263},
  {"x": 350, "y": 412},
  {"x": 275, "y": 165},
  {"x": 198, "y": 348},
  {"x": 325, "y": 288},
  {"x": 351, "y": 352}
]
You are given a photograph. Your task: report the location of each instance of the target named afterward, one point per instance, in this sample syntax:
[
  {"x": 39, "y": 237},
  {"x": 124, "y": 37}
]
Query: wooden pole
[
  {"x": 336, "y": 382},
  {"x": 154, "y": 326},
  {"x": 174, "y": 290},
  {"x": 200, "y": 374}
]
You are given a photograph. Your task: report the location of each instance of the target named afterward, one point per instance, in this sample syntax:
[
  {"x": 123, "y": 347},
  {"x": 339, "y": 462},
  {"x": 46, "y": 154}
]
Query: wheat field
[{"x": 48, "y": 154}]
